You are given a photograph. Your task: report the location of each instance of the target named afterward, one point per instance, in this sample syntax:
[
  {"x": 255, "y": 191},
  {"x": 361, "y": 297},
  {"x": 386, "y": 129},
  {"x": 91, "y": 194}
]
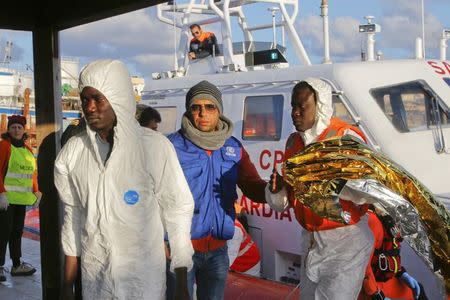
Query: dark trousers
[
  {"x": 11, "y": 229},
  {"x": 210, "y": 272}
]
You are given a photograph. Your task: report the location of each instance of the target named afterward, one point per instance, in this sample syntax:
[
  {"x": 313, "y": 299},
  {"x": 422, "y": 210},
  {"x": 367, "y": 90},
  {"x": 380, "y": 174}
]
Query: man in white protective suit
[
  {"x": 119, "y": 184},
  {"x": 335, "y": 254}
]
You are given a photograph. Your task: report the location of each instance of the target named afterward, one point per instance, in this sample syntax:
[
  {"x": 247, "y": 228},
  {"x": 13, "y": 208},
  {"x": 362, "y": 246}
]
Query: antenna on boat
[
  {"x": 443, "y": 43},
  {"x": 273, "y": 10},
  {"x": 175, "y": 58},
  {"x": 423, "y": 27},
  {"x": 283, "y": 40},
  {"x": 363, "y": 51},
  {"x": 326, "y": 32},
  {"x": 419, "y": 48},
  {"x": 370, "y": 29}
]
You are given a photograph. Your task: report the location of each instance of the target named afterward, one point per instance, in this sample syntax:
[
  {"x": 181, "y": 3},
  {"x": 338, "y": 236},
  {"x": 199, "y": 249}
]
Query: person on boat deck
[
  {"x": 214, "y": 163},
  {"x": 202, "y": 44},
  {"x": 149, "y": 118},
  {"x": 335, "y": 254},
  {"x": 119, "y": 183},
  {"x": 18, "y": 188},
  {"x": 385, "y": 277}
]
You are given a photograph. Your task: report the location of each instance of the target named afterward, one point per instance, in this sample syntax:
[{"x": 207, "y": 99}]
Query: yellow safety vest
[{"x": 19, "y": 177}]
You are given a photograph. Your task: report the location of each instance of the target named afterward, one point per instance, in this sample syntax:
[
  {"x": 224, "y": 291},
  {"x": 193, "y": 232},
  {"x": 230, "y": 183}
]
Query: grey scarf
[{"x": 207, "y": 140}]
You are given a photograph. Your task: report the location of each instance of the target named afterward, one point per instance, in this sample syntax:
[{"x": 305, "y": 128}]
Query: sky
[{"x": 146, "y": 44}]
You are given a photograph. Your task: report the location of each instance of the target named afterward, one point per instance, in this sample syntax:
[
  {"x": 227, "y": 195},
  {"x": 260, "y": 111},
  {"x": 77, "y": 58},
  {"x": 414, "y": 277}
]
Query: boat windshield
[{"x": 244, "y": 47}]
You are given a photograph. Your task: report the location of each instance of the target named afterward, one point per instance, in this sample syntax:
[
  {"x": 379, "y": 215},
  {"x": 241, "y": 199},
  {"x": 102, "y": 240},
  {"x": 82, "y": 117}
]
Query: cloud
[
  {"x": 138, "y": 38},
  {"x": 345, "y": 39},
  {"x": 154, "y": 63},
  {"x": 128, "y": 32},
  {"x": 400, "y": 7},
  {"x": 400, "y": 24}
]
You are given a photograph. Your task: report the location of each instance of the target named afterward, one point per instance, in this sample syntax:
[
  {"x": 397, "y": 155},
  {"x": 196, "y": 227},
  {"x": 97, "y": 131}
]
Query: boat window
[
  {"x": 263, "y": 118},
  {"x": 168, "y": 119},
  {"x": 411, "y": 106},
  {"x": 341, "y": 112}
]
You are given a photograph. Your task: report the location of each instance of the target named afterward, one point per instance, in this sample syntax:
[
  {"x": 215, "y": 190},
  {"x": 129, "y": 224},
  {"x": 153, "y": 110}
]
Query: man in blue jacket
[{"x": 214, "y": 163}]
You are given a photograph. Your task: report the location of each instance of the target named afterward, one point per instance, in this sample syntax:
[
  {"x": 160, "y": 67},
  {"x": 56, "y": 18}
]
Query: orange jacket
[
  {"x": 394, "y": 287},
  {"x": 204, "y": 36},
  {"x": 305, "y": 216},
  {"x": 205, "y": 45},
  {"x": 5, "y": 154},
  {"x": 248, "y": 255}
]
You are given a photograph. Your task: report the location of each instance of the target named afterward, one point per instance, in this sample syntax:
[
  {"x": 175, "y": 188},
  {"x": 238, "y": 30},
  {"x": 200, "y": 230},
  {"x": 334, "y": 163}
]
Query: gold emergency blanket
[{"x": 314, "y": 173}]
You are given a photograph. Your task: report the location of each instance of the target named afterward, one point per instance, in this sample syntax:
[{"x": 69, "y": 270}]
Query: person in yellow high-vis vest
[{"x": 18, "y": 188}]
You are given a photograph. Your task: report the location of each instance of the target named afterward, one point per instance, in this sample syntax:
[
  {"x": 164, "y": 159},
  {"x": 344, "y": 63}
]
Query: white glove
[
  {"x": 3, "y": 202},
  {"x": 278, "y": 201},
  {"x": 38, "y": 199}
]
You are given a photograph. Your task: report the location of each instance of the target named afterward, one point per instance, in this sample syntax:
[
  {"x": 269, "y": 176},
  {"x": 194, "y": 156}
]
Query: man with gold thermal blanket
[{"x": 330, "y": 176}]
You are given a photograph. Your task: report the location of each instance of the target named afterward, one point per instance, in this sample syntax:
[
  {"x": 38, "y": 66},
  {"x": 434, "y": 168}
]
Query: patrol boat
[{"x": 402, "y": 107}]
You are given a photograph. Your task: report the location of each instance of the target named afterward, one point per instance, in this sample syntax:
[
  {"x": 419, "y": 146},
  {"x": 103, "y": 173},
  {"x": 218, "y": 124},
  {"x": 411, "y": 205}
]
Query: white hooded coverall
[
  {"x": 335, "y": 260},
  {"x": 114, "y": 212}
]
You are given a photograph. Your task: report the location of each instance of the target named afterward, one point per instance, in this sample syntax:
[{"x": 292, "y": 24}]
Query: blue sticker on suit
[{"x": 131, "y": 197}]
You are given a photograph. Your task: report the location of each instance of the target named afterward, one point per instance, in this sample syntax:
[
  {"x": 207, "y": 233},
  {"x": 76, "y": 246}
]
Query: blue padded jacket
[{"x": 212, "y": 180}]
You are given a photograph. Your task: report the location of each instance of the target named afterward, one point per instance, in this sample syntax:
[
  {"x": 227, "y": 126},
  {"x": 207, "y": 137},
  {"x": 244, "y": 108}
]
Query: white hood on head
[
  {"x": 112, "y": 79},
  {"x": 324, "y": 109}
]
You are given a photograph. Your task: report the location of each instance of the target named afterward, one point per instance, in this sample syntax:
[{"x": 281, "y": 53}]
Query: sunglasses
[
  {"x": 196, "y": 108},
  {"x": 195, "y": 32}
]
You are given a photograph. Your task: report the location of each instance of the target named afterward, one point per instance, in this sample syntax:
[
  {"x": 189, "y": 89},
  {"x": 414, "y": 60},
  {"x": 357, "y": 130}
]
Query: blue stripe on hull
[{"x": 447, "y": 80}]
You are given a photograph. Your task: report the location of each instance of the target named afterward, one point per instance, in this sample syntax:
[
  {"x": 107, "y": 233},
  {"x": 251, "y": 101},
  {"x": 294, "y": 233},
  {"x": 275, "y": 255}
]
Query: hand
[
  {"x": 276, "y": 182},
  {"x": 167, "y": 250},
  {"x": 412, "y": 283},
  {"x": 3, "y": 202},
  {"x": 38, "y": 199},
  {"x": 70, "y": 276},
  {"x": 191, "y": 55}
]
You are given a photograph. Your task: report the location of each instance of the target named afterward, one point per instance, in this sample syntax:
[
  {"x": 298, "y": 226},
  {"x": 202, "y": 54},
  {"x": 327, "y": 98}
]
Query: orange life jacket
[
  {"x": 248, "y": 255},
  {"x": 205, "y": 35},
  {"x": 386, "y": 261},
  {"x": 305, "y": 216}
]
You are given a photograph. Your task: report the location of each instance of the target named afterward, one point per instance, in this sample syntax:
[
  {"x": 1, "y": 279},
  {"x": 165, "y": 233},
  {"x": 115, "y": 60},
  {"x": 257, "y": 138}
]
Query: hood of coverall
[
  {"x": 112, "y": 79},
  {"x": 324, "y": 109}
]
